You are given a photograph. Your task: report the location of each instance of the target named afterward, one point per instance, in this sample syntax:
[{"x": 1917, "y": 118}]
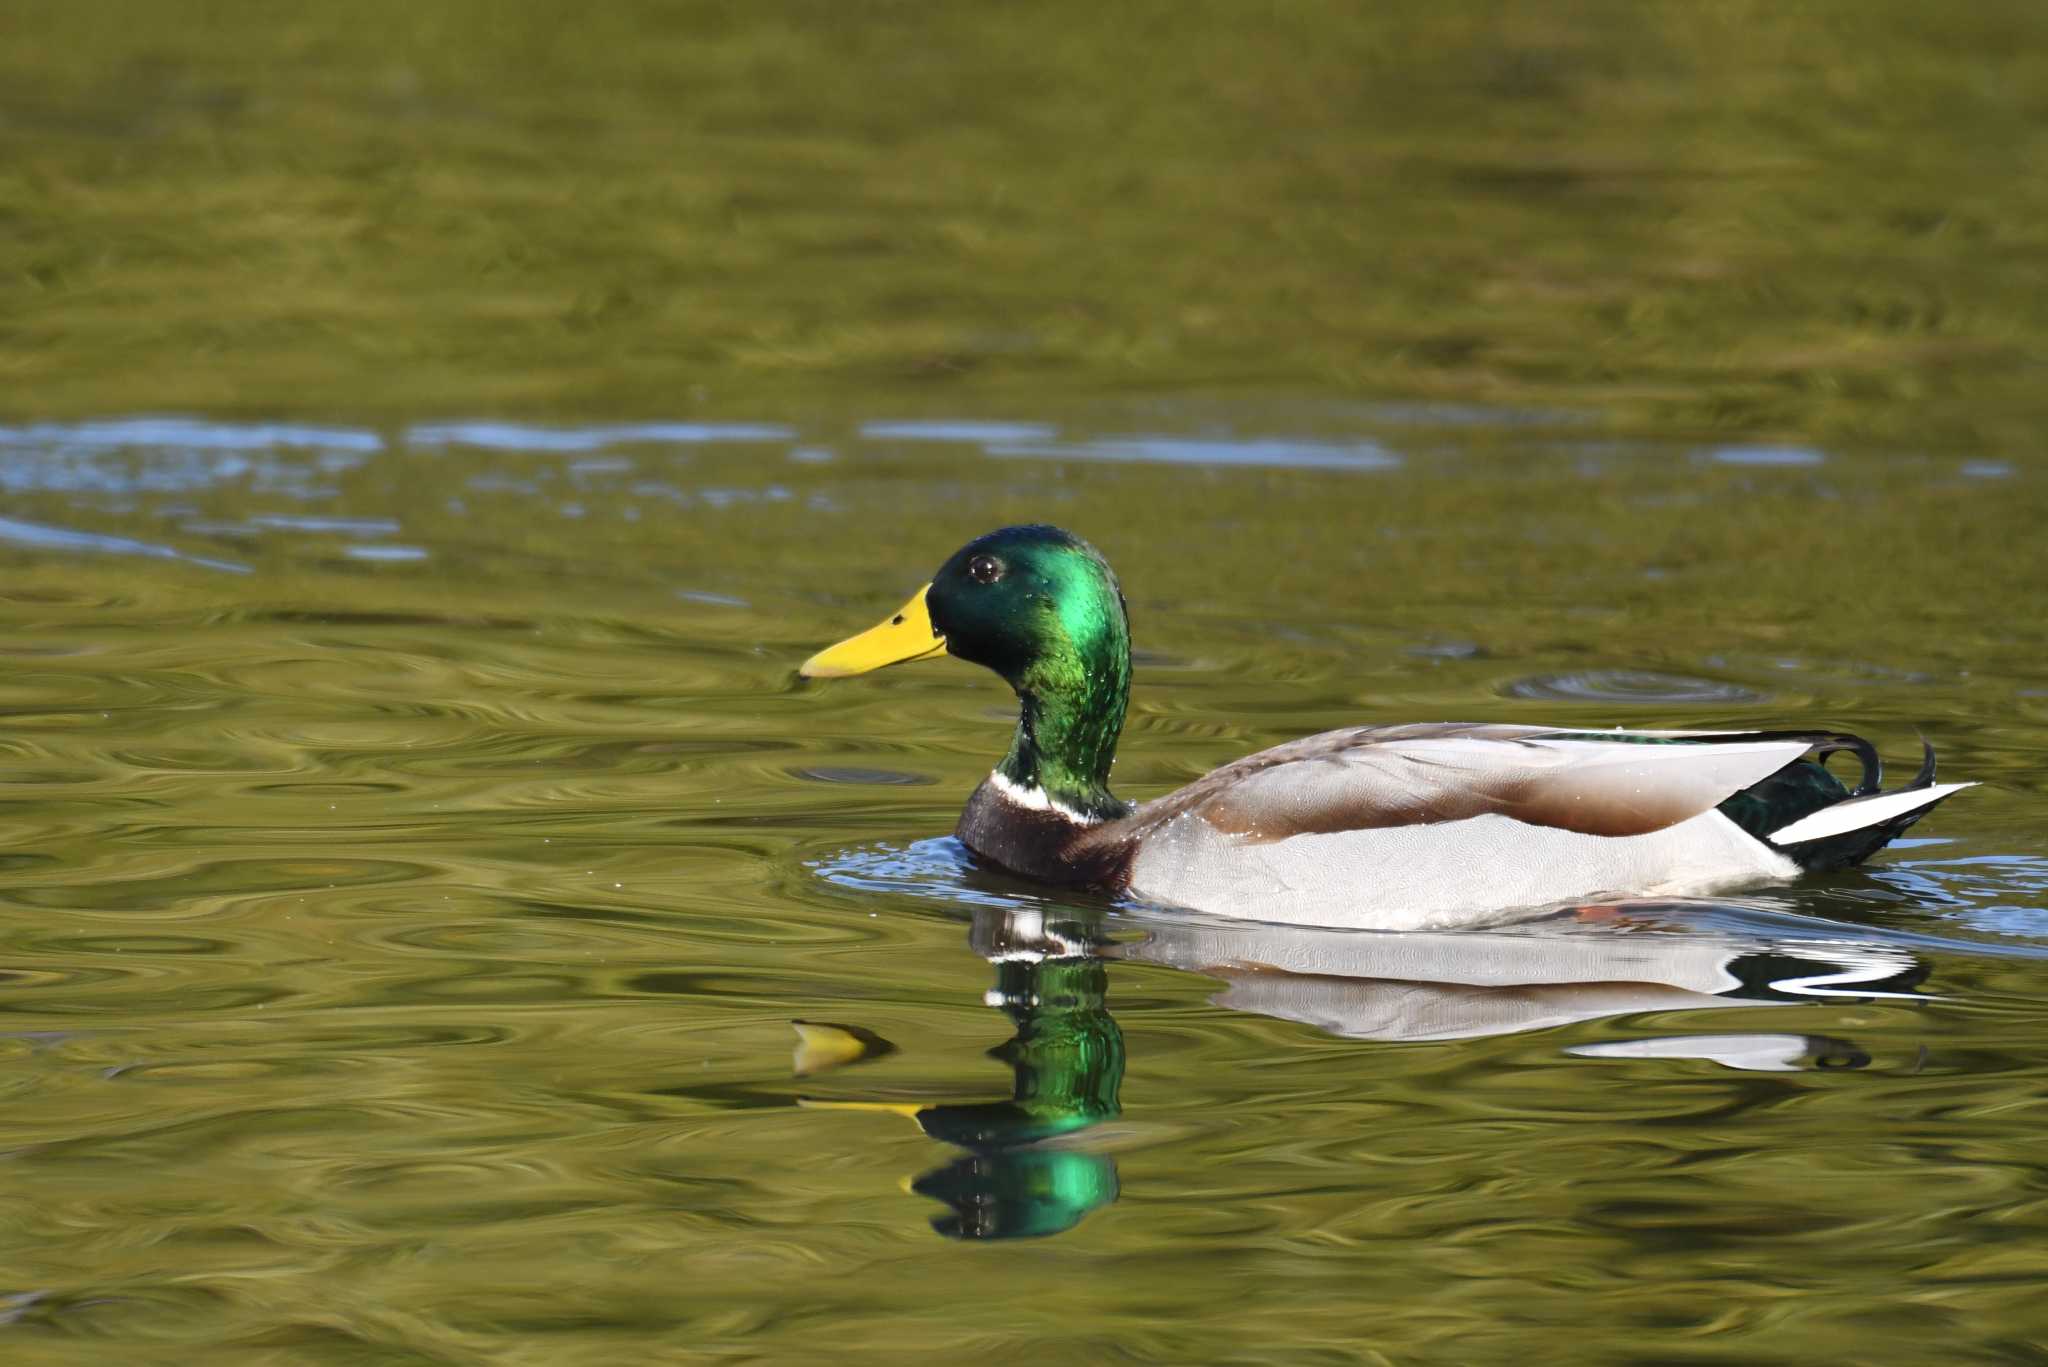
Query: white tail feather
[{"x": 1860, "y": 813}]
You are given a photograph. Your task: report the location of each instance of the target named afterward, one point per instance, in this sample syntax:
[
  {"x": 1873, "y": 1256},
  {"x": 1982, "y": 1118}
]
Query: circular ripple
[
  {"x": 1628, "y": 686},
  {"x": 831, "y": 773}
]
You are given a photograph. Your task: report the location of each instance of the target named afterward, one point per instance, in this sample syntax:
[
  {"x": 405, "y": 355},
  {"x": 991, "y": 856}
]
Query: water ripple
[
  {"x": 44, "y": 538},
  {"x": 1628, "y": 686}
]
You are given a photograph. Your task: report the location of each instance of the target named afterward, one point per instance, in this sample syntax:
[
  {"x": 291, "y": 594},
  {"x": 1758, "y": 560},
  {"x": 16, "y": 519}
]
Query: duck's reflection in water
[
  {"x": 1019, "y": 1178},
  {"x": 1411, "y": 985},
  {"x": 1029, "y": 1168},
  {"x": 1067, "y": 1061}
]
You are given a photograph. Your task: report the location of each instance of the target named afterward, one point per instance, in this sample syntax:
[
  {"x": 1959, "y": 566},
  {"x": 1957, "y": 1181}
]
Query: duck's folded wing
[{"x": 1600, "y": 783}]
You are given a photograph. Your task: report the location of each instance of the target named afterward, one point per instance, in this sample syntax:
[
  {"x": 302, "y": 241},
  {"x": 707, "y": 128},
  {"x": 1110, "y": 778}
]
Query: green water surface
[{"x": 432, "y": 434}]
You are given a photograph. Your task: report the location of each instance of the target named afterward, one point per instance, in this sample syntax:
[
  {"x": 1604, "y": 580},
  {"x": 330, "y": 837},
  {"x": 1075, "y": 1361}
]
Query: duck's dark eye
[{"x": 984, "y": 569}]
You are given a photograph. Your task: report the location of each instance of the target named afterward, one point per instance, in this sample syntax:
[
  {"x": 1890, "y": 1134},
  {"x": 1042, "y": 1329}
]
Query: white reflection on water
[
  {"x": 340, "y": 526},
  {"x": 158, "y": 433},
  {"x": 966, "y": 432},
  {"x": 1271, "y": 452},
  {"x": 1785, "y": 457},
  {"x": 510, "y": 436},
  {"x": 40, "y": 537}
]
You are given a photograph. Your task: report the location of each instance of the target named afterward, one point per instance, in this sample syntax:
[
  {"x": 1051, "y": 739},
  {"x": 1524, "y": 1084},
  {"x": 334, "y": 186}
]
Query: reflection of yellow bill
[
  {"x": 822, "y": 1046},
  {"x": 909, "y": 635},
  {"x": 909, "y": 1109}
]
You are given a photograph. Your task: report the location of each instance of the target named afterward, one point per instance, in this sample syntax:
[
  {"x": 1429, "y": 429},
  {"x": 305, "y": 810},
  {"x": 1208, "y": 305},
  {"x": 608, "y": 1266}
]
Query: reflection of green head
[
  {"x": 1020, "y": 1194},
  {"x": 1068, "y": 1060},
  {"x": 1067, "y": 1055}
]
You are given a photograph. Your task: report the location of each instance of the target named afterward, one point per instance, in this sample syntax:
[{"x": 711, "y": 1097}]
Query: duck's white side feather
[{"x": 1481, "y": 870}]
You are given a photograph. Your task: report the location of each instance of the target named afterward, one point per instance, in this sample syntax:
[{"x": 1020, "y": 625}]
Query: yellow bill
[{"x": 909, "y": 635}]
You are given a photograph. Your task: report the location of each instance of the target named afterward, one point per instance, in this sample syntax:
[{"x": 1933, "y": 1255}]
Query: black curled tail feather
[
  {"x": 1854, "y": 846},
  {"x": 1866, "y": 755},
  {"x": 1805, "y": 787},
  {"x": 1925, "y": 778}
]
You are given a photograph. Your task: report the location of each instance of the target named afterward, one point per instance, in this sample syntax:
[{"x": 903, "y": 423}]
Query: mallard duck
[{"x": 1427, "y": 826}]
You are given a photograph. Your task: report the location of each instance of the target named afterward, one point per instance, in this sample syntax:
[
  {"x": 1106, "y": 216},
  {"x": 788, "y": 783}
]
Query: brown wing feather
[{"x": 1375, "y": 777}]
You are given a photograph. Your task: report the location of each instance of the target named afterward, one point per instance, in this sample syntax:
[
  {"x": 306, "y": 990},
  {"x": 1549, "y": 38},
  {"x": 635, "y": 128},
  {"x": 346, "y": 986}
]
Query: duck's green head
[{"x": 1040, "y": 607}]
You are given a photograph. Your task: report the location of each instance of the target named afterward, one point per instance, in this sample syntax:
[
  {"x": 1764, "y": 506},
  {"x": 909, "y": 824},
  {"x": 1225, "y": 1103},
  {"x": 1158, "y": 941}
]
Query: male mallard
[{"x": 1391, "y": 827}]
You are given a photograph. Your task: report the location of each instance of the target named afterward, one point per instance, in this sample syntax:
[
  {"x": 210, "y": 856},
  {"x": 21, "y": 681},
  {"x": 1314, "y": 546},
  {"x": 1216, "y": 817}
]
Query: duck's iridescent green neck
[{"x": 1074, "y": 692}]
